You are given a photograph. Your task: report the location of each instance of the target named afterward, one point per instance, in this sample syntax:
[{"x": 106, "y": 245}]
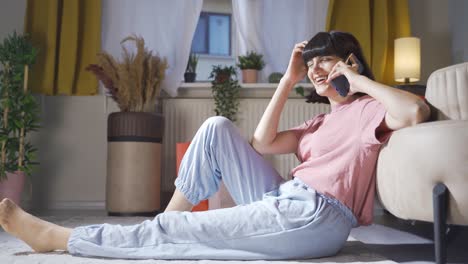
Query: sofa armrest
[{"x": 414, "y": 160}]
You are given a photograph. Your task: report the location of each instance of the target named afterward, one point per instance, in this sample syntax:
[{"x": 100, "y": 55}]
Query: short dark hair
[{"x": 333, "y": 43}]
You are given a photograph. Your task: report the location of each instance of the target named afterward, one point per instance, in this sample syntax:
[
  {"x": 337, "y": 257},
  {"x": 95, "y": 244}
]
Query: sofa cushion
[
  {"x": 447, "y": 91},
  {"x": 414, "y": 160}
]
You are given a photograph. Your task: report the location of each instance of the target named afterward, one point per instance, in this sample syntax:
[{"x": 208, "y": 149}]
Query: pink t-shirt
[{"x": 338, "y": 153}]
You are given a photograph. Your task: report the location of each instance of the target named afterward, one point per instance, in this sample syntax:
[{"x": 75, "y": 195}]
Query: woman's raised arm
[{"x": 266, "y": 139}]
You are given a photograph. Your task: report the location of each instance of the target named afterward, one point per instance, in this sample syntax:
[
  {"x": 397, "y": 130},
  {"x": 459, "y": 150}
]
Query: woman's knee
[
  {"x": 219, "y": 127},
  {"x": 218, "y": 122}
]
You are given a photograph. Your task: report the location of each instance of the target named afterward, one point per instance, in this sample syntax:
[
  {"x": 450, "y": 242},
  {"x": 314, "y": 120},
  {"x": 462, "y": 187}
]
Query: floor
[
  {"x": 418, "y": 247},
  {"x": 391, "y": 238}
]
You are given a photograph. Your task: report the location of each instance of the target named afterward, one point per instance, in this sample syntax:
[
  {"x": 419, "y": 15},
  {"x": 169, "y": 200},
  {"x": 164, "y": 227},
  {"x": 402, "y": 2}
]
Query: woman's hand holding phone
[{"x": 338, "y": 76}]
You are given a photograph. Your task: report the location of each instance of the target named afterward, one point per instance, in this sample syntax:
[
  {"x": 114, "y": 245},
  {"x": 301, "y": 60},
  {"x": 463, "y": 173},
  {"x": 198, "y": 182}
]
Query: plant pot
[
  {"x": 133, "y": 184},
  {"x": 181, "y": 148},
  {"x": 190, "y": 77},
  {"x": 12, "y": 187},
  {"x": 249, "y": 76},
  {"x": 221, "y": 78}
]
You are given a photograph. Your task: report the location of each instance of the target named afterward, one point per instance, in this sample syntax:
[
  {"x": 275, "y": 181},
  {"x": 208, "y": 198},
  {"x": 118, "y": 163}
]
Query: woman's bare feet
[{"x": 40, "y": 235}]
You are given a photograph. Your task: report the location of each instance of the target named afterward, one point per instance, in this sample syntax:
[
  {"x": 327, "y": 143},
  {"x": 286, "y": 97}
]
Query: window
[{"x": 213, "y": 34}]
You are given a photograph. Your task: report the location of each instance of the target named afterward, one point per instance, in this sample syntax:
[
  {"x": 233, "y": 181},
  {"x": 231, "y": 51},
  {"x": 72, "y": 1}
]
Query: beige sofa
[{"x": 419, "y": 158}]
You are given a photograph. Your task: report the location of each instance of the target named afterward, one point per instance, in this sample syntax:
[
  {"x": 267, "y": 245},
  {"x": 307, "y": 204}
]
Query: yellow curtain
[
  {"x": 376, "y": 24},
  {"x": 68, "y": 35}
]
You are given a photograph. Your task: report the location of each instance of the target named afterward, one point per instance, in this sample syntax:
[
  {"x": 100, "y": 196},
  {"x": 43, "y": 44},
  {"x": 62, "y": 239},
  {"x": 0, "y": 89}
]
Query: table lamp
[{"x": 408, "y": 64}]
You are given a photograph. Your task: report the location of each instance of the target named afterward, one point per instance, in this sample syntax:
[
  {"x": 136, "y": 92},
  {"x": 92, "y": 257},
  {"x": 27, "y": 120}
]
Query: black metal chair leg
[{"x": 440, "y": 199}]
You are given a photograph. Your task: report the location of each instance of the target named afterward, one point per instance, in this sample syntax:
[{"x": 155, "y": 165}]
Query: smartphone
[{"x": 341, "y": 83}]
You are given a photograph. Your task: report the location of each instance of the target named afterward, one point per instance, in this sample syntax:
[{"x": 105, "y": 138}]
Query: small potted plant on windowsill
[
  {"x": 250, "y": 64},
  {"x": 190, "y": 74},
  {"x": 19, "y": 115},
  {"x": 225, "y": 90}
]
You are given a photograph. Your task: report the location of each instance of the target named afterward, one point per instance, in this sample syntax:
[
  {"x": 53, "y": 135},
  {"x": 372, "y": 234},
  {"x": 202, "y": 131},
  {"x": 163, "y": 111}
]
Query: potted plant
[
  {"x": 190, "y": 74},
  {"x": 275, "y": 77},
  {"x": 19, "y": 115},
  {"x": 134, "y": 134},
  {"x": 250, "y": 64},
  {"x": 225, "y": 90}
]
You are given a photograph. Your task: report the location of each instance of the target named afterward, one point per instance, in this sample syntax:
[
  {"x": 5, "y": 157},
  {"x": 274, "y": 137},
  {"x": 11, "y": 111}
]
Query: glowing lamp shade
[{"x": 407, "y": 59}]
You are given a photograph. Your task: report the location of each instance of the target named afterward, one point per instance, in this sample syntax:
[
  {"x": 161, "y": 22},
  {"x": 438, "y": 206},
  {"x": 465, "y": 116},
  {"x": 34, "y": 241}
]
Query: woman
[{"x": 310, "y": 216}]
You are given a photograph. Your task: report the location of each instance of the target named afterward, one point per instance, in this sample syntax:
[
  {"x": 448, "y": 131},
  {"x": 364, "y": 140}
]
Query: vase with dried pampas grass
[
  {"x": 134, "y": 135},
  {"x": 135, "y": 81}
]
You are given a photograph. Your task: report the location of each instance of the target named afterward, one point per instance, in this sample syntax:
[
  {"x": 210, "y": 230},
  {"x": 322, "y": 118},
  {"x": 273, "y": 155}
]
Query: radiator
[{"x": 183, "y": 116}]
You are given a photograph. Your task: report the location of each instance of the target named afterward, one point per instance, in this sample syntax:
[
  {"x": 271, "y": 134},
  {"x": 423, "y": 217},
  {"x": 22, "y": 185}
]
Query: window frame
[{"x": 208, "y": 33}]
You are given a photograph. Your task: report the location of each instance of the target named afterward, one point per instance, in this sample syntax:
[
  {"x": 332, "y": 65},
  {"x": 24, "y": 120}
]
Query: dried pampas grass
[{"x": 135, "y": 82}]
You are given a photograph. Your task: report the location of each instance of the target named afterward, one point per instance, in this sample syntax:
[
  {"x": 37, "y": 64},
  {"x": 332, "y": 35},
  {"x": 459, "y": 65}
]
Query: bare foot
[{"x": 40, "y": 235}]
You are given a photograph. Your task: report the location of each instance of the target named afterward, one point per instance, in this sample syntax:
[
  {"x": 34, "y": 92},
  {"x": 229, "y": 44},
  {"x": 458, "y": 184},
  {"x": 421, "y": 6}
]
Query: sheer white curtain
[
  {"x": 167, "y": 27},
  {"x": 272, "y": 27}
]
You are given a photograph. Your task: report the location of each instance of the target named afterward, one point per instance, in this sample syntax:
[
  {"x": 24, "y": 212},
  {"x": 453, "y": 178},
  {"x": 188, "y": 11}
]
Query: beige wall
[
  {"x": 72, "y": 151},
  {"x": 72, "y": 142},
  {"x": 11, "y": 16},
  {"x": 458, "y": 16},
  {"x": 430, "y": 22}
]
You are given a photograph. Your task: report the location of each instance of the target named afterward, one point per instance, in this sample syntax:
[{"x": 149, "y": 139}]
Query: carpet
[{"x": 15, "y": 251}]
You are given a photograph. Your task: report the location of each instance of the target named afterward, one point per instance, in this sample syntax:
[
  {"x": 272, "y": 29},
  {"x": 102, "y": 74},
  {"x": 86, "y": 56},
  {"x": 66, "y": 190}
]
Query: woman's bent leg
[{"x": 219, "y": 152}]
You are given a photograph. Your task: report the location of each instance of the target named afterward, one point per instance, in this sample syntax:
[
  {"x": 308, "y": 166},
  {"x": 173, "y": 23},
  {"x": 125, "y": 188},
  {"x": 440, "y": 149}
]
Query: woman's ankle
[{"x": 178, "y": 202}]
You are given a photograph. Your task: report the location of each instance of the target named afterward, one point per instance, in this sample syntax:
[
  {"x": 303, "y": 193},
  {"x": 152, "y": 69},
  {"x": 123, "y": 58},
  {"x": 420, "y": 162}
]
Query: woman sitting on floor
[{"x": 309, "y": 216}]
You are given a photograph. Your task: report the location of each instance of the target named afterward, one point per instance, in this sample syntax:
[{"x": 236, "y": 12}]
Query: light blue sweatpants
[{"x": 273, "y": 219}]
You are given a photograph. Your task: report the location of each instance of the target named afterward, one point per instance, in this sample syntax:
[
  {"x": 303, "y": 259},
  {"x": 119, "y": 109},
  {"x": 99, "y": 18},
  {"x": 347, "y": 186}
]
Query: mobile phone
[{"x": 341, "y": 83}]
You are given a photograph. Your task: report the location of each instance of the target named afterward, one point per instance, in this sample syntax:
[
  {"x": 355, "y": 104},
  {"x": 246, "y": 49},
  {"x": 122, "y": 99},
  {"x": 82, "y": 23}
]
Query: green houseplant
[
  {"x": 275, "y": 77},
  {"x": 250, "y": 64},
  {"x": 190, "y": 74},
  {"x": 225, "y": 89},
  {"x": 19, "y": 115},
  {"x": 134, "y": 134}
]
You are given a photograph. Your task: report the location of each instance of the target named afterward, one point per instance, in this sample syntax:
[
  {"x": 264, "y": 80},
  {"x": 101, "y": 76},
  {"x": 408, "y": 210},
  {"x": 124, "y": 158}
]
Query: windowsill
[
  {"x": 215, "y": 57},
  {"x": 249, "y": 90}
]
